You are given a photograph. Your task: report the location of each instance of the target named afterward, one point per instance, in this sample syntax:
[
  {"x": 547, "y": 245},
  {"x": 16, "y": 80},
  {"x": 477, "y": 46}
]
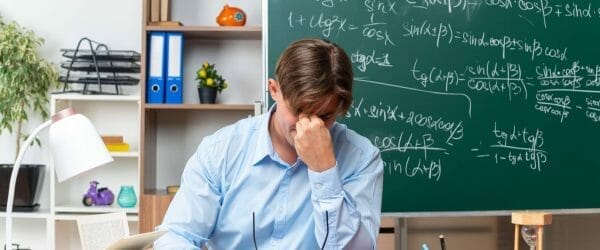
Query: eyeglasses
[
  {"x": 327, "y": 226},
  {"x": 254, "y": 230}
]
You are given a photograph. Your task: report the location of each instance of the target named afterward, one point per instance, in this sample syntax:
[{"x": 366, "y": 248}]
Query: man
[{"x": 293, "y": 178}]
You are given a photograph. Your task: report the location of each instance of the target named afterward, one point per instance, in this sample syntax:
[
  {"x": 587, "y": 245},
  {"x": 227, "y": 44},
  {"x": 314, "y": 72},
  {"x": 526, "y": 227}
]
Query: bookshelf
[
  {"x": 170, "y": 133},
  {"x": 110, "y": 114}
]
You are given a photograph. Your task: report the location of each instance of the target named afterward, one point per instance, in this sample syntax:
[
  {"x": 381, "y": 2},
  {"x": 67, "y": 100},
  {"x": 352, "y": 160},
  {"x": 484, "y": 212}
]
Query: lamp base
[{"x": 29, "y": 208}]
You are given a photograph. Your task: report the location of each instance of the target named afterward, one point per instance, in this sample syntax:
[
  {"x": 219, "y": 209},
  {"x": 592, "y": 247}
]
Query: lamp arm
[{"x": 13, "y": 181}]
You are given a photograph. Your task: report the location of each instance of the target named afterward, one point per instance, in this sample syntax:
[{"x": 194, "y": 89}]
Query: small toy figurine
[
  {"x": 101, "y": 196},
  {"x": 231, "y": 16}
]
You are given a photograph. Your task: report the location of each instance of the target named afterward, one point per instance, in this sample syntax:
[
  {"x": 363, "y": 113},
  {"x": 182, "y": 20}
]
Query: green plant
[
  {"x": 25, "y": 78},
  {"x": 208, "y": 77}
]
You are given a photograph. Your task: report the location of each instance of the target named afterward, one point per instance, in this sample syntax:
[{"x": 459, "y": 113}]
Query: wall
[
  {"x": 238, "y": 61},
  {"x": 62, "y": 23},
  {"x": 117, "y": 23}
]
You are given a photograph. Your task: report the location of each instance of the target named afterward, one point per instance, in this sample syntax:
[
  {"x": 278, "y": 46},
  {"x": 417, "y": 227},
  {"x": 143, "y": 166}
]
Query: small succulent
[{"x": 208, "y": 77}]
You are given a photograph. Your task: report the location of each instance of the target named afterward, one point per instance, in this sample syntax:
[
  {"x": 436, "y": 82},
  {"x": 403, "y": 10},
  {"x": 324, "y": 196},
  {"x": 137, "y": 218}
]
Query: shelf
[
  {"x": 74, "y": 217},
  {"x": 131, "y": 154},
  {"x": 40, "y": 214},
  {"x": 77, "y": 97},
  {"x": 94, "y": 209},
  {"x": 214, "y": 32},
  {"x": 157, "y": 192},
  {"x": 235, "y": 107}
]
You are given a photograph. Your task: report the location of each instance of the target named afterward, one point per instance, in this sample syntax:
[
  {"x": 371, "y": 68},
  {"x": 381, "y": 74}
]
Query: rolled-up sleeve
[{"x": 347, "y": 211}]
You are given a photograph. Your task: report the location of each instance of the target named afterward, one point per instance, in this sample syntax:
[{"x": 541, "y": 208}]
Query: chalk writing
[
  {"x": 557, "y": 77},
  {"x": 328, "y": 24},
  {"x": 518, "y": 147},
  {"x": 542, "y": 9},
  {"x": 364, "y": 60},
  {"x": 444, "y": 32},
  {"x": 330, "y": 3},
  {"x": 403, "y": 143},
  {"x": 381, "y": 6},
  {"x": 453, "y": 130},
  {"x": 450, "y": 5},
  {"x": 429, "y": 169},
  {"x": 556, "y": 105},
  {"x": 460, "y": 95},
  {"x": 593, "y": 109},
  {"x": 492, "y": 78}
]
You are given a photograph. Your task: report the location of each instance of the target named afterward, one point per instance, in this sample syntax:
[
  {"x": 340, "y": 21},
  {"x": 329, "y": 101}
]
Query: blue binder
[
  {"x": 155, "y": 85},
  {"x": 174, "y": 89}
]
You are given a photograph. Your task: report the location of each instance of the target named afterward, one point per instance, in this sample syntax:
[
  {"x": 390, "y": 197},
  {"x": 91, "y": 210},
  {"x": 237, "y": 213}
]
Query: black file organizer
[{"x": 101, "y": 66}]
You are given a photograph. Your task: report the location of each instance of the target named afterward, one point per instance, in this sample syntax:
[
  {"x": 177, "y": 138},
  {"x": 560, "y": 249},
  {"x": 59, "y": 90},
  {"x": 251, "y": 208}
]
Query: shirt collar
[{"x": 264, "y": 146}]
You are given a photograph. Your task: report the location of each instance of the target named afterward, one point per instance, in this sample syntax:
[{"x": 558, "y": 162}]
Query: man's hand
[{"x": 313, "y": 143}]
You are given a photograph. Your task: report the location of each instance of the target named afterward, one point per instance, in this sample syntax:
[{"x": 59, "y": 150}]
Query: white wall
[{"x": 61, "y": 23}]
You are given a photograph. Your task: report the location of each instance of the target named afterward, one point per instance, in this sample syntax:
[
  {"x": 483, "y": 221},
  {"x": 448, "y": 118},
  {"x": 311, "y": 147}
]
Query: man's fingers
[
  {"x": 293, "y": 133},
  {"x": 310, "y": 121}
]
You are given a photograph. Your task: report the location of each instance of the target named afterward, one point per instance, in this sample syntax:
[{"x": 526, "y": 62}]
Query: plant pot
[
  {"x": 27, "y": 189},
  {"x": 207, "y": 95}
]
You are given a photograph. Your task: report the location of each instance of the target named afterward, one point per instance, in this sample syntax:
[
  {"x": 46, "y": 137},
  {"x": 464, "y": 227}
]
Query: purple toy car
[{"x": 95, "y": 196}]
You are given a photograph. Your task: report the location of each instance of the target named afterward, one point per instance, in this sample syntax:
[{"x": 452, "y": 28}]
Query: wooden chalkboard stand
[{"x": 538, "y": 219}]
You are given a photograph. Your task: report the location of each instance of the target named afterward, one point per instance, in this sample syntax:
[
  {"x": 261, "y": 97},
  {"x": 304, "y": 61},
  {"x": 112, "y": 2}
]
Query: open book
[
  {"x": 111, "y": 231},
  {"x": 138, "y": 241}
]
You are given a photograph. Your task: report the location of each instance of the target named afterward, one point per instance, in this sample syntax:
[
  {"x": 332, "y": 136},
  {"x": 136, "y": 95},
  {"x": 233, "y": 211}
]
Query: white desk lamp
[{"x": 75, "y": 146}]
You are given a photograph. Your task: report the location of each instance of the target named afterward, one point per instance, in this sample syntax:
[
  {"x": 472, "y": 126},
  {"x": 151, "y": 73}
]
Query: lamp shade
[{"x": 82, "y": 151}]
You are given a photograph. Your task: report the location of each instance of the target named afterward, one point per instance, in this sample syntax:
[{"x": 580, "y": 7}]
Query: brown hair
[{"x": 311, "y": 71}]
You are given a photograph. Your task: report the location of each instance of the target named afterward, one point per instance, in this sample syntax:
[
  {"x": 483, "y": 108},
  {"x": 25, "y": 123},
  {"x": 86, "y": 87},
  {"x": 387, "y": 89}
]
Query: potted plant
[
  {"x": 209, "y": 82},
  {"x": 25, "y": 78}
]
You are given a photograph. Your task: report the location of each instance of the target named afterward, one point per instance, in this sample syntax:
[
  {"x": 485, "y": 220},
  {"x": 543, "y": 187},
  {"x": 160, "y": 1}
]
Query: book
[
  {"x": 111, "y": 231},
  {"x": 112, "y": 138},
  {"x": 117, "y": 147},
  {"x": 138, "y": 241},
  {"x": 166, "y": 23}
]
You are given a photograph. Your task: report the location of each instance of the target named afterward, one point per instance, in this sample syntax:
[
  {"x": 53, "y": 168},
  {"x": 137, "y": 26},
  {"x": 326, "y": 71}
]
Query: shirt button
[
  {"x": 288, "y": 173},
  {"x": 318, "y": 186}
]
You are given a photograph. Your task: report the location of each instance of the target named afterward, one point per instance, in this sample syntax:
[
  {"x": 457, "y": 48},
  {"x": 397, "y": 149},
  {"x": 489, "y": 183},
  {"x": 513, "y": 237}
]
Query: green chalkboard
[{"x": 476, "y": 105}]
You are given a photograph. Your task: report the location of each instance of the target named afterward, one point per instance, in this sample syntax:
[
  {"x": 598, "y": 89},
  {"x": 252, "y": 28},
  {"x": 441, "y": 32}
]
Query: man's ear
[{"x": 274, "y": 89}]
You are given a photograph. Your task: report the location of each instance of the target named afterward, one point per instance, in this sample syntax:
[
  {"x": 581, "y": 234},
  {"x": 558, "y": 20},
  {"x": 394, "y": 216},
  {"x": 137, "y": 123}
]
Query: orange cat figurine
[{"x": 231, "y": 16}]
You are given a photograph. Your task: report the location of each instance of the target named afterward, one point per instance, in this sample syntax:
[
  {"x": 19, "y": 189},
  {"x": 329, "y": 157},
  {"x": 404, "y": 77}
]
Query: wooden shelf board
[
  {"x": 235, "y": 107},
  {"x": 214, "y": 32},
  {"x": 157, "y": 192}
]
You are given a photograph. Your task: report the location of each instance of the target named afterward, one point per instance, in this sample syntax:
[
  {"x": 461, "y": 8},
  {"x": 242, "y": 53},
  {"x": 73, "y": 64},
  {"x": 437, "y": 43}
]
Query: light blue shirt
[{"x": 236, "y": 172}]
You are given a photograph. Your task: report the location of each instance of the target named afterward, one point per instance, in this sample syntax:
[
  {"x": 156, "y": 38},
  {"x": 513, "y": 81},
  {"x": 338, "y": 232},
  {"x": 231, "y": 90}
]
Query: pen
[{"x": 442, "y": 242}]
